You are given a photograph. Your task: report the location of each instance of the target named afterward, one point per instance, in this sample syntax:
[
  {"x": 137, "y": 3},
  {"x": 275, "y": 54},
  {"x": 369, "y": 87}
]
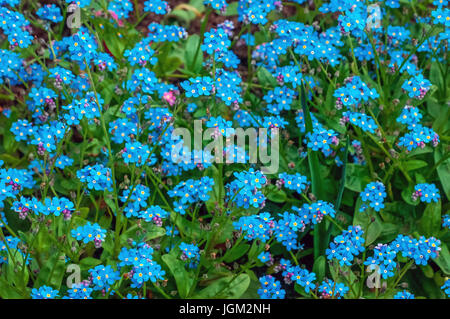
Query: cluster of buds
[
  {"x": 50, "y": 103},
  {"x": 227, "y": 26},
  {"x": 58, "y": 82},
  {"x": 41, "y": 149},
  {"x": 67, "y": 214}
]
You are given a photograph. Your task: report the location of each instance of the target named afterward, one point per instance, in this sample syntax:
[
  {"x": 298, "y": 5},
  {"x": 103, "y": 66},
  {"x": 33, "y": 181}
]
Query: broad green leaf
[
  {"x": 9, "y": 291},
  {"x": 191, "y": 49},
  {"x": 230, "y": 287},
  {"x": 276, "y": 195},
  {"x": 89, "y": 262},
  {"x": 319, "y": 267},
  {"x": 52, "y": 272},
  {"x": 236, "y": 252},
  {"x": 430, "y": 223},
  {"x": 443, "y": 260},
  {"x": 183, "y": 278},
  {"x": 357, "y": 177},
  {"x": 443, "y": 171},
  {"x": 414, "y": 164},
  {"x": 265, "y": 78}
]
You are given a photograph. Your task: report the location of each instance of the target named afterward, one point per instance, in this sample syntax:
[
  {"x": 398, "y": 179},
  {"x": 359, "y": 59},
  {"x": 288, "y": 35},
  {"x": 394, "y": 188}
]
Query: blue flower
[
  {"x": 426, "y": 192},
  {"x": 50, "y": 12},
  {"x": 156, "y": 6},
  {"x": 446, "y": 287},
  {"x": 265, "y": 257},
  {"x": 44, "y": 292},
  {"x": 103, "y": 277},
  {"x": 404, "y": 295},
  {"x": 90, "y": 233},
  {"x": 270, "y": 288},
  {"x": 347, "y": 245},
  {"x": 374, "y": 193},
  {"x": 330, "y": 289}
]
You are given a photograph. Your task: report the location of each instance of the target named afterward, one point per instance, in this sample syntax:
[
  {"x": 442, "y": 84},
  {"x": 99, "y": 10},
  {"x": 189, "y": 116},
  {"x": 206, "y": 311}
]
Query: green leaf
[
  {"x": 183, "y": 279},
  {"x": 153, "y": 231},
  {"x": 373, "y": 232},
  {"x": 230, "y": 287},
  {"x": 357, "y": 177},
  {"x": 319, "y": 267},
  {"x": 350, "y": 280},
  {"x": 443, "y": 171},
  {"x": 89, "y": 262},
  {"x": 443, "y": 260},
  {"x": 430, "y": 223},
  {"x": 52, "y": 273},
  {"x": 218, "y": 188},
  {"x": 266, "y": 78},
  {"x": 190, "y": 51},
  {"x": 435, "y": 74},
  {"x": 15, "y": 272},
  {"x": 414, "y": 164},
  {"x": 406, "y": 195},
  {"x": 9, "y": 291},
  {"x": 232, "y": 9},
  {"x": 276, "y": 195},
  {"x": 321, "y": 237},
  {"x": 236, "y": 252}
]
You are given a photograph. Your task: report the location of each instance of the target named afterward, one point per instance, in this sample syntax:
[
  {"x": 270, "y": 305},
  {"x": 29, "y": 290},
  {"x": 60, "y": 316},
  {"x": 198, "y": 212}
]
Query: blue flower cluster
[
  {"x": 79, "y": 291},
  {"x": 374, "y": 193},
  {"x": 419, "y": 136},
  {"x": 135, "y": 199},
  {"x": 156, "y": 6},
  {"x": 256, "y": 226},
  {"x": 279, "y": 99},
  {"x": 44, "y": 292},
  {"x": 15, "y": 27},
  {"x": 410, "y": 116},
  {"x": 426, "y": 192},
  {"x": 153, "y": 214},
  {"x": 138, "y": 154},
  {"x": 222, "y": 127},
  {"x": 347, "y": 245},
  {"x": 50, "y": 12},
  {"x": 384, "y": 257},
  {"x": 321, "y": 139},
  {"x": 166, "y": 33},
  {"x": 103, "y": 277},
  {"x": 295, "y": 182},
  {"x": 90, "y": 233},
  {"x": 121, "y": 8},
  {"x": 190, "y": 192},
  {"x": 314, "y": 213},
  {"x": 300, "y": 276},
  {"x": 446, "y": 221},
  {"x": 201, "y": 86},
  {"x": 191, "y": 253},
  {"x": 420, "y": 250},
  {"x": 141, "y": 54},
  {"x": 417, "y": 86},
  {"x": 143, "y": 267},
  {"x": 97, "y": 177},
  {"x": 330, "y": 289},
  {"x": 270, "y": 288},
  {"x": 13, "y": 181},
  {"x": 50, "y": 206},
  {"x": 244, "y": 191},
  {"x": 403, "y": 295},
  {"x": 364, "y": 121},
  {"x": 354, "y": 93}
]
